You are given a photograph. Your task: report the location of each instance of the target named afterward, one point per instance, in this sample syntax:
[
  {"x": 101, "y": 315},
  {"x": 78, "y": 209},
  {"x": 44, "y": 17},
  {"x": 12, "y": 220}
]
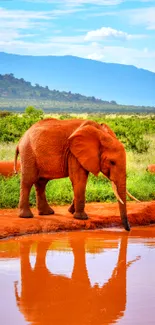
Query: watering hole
[{"x": 79, "y": 278}]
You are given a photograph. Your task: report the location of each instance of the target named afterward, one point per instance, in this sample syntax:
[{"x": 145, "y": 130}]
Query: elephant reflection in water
[{"x": 53, "y": 299}]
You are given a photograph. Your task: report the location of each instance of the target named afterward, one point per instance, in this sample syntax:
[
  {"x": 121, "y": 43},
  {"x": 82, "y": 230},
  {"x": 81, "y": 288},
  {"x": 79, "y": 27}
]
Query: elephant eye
[{"x": 112, "y": 162}]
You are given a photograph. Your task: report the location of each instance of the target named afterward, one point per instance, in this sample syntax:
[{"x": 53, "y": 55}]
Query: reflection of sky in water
[
  {"x": 140, "y": 285},
  {"x": 60, "y": 263},
  {"x": 10, "y": 266},
  {"x": 32, "y": 259},
  {"x": 9, "y": 274},
  {"x": 100, "y": 266}
]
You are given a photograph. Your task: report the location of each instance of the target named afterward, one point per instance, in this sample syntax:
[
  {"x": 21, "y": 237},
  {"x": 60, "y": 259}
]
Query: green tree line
[{"x": 131, "y": 131}]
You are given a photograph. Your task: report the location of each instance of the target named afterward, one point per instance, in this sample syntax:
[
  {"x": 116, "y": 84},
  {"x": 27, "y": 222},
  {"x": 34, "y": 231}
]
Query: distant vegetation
[
  {"x": 130, "y": 130},
  {"x": 11, "y": 87},
  {"x": 16, "y": 94},
  {"x": 136, "y": 132}
]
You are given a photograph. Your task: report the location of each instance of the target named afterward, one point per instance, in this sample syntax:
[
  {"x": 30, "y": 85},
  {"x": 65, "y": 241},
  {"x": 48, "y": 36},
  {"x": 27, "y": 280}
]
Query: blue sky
[{"x": 121, "y": 31}]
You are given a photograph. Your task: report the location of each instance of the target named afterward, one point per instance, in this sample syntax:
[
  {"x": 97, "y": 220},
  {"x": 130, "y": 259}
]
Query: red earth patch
[{"x": 101, "y": 215}]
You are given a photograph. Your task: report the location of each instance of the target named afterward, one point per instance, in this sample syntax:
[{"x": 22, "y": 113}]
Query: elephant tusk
[
  {"x": 131, "y": 196},
  {"x": 114, "y": 187}
]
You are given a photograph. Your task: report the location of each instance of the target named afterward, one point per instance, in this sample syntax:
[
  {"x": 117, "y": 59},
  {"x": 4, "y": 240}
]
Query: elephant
[
  {"x": 7, "y": 168},
  {"x": 52, "y": 149},
  {"x": 48, "y": 298},
  {"x": 151, "y": 168}
]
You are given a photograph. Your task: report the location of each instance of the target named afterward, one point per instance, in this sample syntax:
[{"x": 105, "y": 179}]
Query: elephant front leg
[
  {"x": 78, "y": 178},
  {"x": 71, "y": 209},
  {"x": 79, "y": 201},
  {"x": 42, "y": 205}
]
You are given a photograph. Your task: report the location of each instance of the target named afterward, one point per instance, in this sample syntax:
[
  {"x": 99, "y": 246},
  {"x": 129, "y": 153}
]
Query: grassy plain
[{"x": 139, "y": 182}]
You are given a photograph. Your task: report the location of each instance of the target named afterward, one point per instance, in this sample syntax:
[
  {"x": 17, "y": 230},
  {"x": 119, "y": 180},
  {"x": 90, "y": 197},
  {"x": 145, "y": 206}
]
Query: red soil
[
  {"x": 7, "y": 168},
  {"x": 101, "y": 215}
]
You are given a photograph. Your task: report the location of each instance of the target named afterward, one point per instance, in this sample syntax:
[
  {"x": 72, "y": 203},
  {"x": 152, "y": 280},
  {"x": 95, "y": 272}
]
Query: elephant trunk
[
  {"x": 120, "y": 192},
  {"x": 123, "y": 214}
]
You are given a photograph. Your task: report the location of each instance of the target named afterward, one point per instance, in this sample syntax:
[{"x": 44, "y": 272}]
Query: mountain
[
  {"x": 14, "y": 88},
  {"x": 123, "y": 83}
]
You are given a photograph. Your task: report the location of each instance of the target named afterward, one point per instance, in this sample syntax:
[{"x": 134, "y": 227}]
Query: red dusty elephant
[
  {"x": 47, "y": 298},
  {"x": 151, "y": 168},
  {"x": 7, "y": 168},
  {"x": 53, "y": 149}
]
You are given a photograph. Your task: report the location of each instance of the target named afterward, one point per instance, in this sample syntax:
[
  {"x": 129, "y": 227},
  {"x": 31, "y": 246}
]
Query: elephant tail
[{"x": 15, "y": 160}]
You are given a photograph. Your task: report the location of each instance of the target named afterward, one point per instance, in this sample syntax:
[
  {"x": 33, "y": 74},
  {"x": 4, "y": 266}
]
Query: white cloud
[
  {"x": 8, "y": 34},
  {"x": 139, "y": 16},
  {"x": 18, "y": 24},
  {"x": 36, "y": 15},
  {"x": 109, "y": 33},
  {"x": 95, "y": 56},
  {"x": 76, "y": 3},
  {"x": 23, "y": 14},
  {"x": 14, "y": 22},
  {"x": 142, "y": 58},
  {"x": 94, "y": 2},
  {"x": 143, "y": 16},
  {"x": 66, "y": 39},
  {"x": 81, "y": 2}
]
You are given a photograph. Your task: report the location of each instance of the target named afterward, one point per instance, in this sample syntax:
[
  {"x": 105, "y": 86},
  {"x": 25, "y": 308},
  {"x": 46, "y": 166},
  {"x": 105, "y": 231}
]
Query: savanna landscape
[
  {"x": 77, "y": 162},
  {"x": 63, "y": 243},
  {"x": 135, "y": 131}
]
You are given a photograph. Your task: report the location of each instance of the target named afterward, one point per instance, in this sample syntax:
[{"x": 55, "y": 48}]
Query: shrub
[{"x": 13, "y": 126}]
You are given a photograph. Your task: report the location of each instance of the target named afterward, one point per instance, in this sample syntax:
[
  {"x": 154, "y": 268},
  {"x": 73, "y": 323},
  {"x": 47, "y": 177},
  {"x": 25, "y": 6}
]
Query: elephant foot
[
  {"x": 71, "y": 209},
  {"x": 46, "y": 211},
  {"x": 25, "y": 214},
  {"x": 80, "y": 215}
]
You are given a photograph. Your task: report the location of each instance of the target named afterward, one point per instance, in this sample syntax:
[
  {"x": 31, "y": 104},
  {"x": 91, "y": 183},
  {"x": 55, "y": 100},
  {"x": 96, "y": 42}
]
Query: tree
[{"x": 33, "y": 112}]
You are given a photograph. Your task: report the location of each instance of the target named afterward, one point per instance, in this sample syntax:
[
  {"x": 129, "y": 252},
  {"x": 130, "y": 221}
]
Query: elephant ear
[
  {"x": 84, "y": 143},
  {"x": 107, "y": 129}
]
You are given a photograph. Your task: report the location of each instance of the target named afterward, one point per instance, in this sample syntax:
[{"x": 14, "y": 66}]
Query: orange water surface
[{"x": 79, "y": 278}]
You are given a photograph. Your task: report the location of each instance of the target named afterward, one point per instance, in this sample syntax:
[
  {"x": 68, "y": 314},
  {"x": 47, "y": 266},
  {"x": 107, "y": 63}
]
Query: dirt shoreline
[{"x": 101, "y": 215}]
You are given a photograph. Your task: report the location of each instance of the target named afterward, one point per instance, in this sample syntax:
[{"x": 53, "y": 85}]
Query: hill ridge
[
  {"x": 12, "y": 87},
  {"x": 126, "y": 84}
]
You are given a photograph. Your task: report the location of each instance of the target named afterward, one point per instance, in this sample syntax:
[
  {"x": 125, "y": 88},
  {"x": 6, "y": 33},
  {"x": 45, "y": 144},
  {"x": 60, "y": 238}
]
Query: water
[{"x": 79, "y": 278}]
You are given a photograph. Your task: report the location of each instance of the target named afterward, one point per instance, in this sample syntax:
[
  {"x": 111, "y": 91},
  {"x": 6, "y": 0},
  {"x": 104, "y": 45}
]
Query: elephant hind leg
[
  {"x": 42, "y": 205},
  {"x": 29, "y": 175},
  {"x": 24, "y": 209}
]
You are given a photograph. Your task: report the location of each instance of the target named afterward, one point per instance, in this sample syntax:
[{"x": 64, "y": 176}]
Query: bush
[
  {"x": 5, "y": 113},
  {"x": 130, "y": 131},
  {"x": 33, "y": 113},
  {"x": 12, "y": 127}
]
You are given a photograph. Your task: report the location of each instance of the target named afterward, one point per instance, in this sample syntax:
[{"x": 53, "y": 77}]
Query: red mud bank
[
  {"x": 7, "y": 168},
  {"x": 101, "y": 215}
]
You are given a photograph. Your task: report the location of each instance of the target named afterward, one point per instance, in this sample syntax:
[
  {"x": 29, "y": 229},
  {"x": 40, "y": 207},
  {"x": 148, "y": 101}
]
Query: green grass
[
  {"x": 141, "y": 185},
  {"x": 9, "y": 195},
  {"x": 7, "y": 151},
  {"x": 138, "y": 162}
]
